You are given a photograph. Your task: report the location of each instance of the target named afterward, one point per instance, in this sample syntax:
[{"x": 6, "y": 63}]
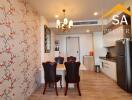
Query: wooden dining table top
[{"x": 62, "y": 67}]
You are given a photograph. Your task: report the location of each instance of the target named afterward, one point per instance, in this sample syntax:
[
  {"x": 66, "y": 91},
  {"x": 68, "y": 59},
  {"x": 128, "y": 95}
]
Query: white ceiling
[
  {"x": 80, "y": 30},
  {"x": 75, "y": 9}
]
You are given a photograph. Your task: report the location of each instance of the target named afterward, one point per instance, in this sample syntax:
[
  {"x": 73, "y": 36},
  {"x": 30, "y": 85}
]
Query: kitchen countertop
[{"x": 113, "y": 59}]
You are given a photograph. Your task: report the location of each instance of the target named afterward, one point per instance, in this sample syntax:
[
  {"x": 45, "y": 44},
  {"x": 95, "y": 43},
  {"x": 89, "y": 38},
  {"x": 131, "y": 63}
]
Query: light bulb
[
  {"x": 95, "y": 13},
  {"x": 70, "y": 23},
  {"x": 65, "y": 21},
  {"x": 57, "y": 23}
]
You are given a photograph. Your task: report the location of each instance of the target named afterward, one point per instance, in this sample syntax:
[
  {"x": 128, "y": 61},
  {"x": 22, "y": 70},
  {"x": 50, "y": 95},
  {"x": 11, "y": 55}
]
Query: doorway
[{"x": 73, "y": 47}]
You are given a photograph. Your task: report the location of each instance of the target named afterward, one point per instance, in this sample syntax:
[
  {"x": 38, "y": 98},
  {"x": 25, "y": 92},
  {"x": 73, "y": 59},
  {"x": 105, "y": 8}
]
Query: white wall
[
  {"x": 99, "y": 50},
  {"x": 50, "y": 56},
  {"x": 85, "y": 44},
  {"x": 46, "y": 56}
]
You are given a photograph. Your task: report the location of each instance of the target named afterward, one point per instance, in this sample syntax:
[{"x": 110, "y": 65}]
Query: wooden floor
[{"x": 94, "y": 86}]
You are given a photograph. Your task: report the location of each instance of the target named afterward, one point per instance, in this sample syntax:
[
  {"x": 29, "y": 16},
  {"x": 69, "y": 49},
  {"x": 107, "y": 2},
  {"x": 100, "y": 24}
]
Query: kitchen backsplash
[{"x": 112, "y": 51}]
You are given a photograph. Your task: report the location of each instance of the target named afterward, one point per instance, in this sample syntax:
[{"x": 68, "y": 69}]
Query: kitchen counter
[{"x": 112, "y": 59}]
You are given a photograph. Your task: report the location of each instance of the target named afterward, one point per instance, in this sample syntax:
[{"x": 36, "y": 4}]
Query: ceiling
[
  {"x": 80, "y": 30},
  {"x": 75, "y": 9}
]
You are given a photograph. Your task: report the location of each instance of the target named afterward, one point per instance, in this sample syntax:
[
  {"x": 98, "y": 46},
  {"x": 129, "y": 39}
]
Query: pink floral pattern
[{"x": 19, "y": 49}]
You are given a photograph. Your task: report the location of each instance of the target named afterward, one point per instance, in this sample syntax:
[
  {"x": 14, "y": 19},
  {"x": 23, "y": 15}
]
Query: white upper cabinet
[{"x": 111, "y": 37}]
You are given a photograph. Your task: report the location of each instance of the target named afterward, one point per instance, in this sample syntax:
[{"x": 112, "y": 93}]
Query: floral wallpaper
[{"x": 19, "y": 49}]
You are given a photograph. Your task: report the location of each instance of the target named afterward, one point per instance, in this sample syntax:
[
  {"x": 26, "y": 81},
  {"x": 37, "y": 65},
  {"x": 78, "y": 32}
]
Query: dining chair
[
  {"x": 72, "y": 75},
  {"x": 71, "y": 58},
  {"x": 50, "y": 75},
  {"x": 59, "y": 60}
]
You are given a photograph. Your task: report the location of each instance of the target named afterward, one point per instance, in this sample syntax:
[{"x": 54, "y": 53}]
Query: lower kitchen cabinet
[{"x": 109, "y": 69}]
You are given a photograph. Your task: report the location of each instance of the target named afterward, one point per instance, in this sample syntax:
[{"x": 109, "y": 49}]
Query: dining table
[{"x": 61, "y": 67}]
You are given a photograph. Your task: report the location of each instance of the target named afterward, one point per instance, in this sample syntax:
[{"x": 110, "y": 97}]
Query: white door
[{"x": 73, "y": 47}]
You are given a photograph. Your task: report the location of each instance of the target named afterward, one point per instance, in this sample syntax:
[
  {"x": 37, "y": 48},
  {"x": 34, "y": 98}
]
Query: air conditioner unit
[{"x": 85, "y": 23}]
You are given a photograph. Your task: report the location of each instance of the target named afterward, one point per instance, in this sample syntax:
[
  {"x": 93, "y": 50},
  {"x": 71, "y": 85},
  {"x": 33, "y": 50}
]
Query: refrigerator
[{"x": 124, "y": 64}]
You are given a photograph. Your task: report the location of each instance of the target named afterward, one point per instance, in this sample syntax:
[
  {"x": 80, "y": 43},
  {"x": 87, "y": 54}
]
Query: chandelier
[{"x": 65, "y": 24}]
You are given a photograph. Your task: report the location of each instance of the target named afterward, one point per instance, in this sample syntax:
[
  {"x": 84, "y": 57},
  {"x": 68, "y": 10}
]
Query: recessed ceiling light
[
  {"x": 56, "y": 16},
  {"x": 87, "y": 30},
  {"x": 96, "y": 13}
]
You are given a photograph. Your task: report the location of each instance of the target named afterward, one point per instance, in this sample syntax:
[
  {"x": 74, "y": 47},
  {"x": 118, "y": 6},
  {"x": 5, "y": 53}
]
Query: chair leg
[
  {"x": 61, "y": 82},
  {"x": 56, "y": 88},
  {"x": 49, "y": 85},
  {"x": 78, "y": 87},
  {"x": 45, "y": 86},
  {"x": 66, "y": 89}
]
